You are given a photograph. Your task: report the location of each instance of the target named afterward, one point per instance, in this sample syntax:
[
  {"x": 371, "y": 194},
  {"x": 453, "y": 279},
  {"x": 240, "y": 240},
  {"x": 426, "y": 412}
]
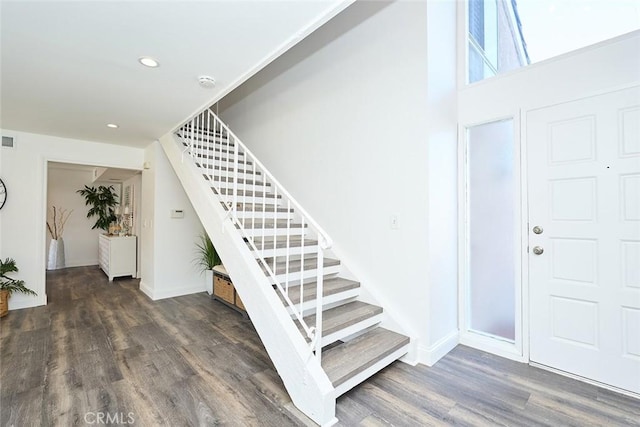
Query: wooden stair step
[
  {"x": 227, "y": 169},
  {"x": 186, "y": 137},
  {"x": 281, "y": 242},
  {"x": 269, "y": 208},
  {"x": 242, "y": 193},
  {"x": 269, "y": 224},
  {"x": 330, "y": 286},
  {"x": 222, "y": 159},
  {"x": 248, "y": 207},
  {"x": 295, "y": 265},
  {"x": 202, "y": 130},
  {"x": 343, "y": 316},
  {"x": 212, "y": 146},
  {"x": 241, "y": 181},
  {"x": 347, "y": 359}
]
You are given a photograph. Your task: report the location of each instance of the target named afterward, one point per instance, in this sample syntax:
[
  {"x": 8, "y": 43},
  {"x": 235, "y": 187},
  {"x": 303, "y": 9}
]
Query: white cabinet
[{"x": 117, "y": 255}]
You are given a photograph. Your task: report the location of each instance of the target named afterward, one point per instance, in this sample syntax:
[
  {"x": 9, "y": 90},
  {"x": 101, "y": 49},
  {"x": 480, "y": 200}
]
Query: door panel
[{"x": 584, "y": 192}]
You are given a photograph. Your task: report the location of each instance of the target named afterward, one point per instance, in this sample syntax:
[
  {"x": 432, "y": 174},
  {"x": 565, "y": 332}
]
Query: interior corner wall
[
  {"x": 22, "y": 219},
  {"x": 167, "y": 269},
  {"x": 442, "y": 314},
  {"x": 347, "y": 121},
  {"x": 136, "y": 185}
]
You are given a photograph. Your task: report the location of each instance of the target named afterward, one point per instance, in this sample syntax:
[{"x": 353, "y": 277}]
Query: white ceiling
[{"x": 70, "y": 67}]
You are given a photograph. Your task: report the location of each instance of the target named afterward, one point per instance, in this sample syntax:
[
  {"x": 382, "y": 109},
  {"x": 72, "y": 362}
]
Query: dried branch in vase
[{"x": 59, "y": 219}]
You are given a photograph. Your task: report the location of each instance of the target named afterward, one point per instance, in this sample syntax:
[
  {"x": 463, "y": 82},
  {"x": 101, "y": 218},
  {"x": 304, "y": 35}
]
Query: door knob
[
  {"x": 537, "y": 229},
  {"x": 538, "y": 250}
]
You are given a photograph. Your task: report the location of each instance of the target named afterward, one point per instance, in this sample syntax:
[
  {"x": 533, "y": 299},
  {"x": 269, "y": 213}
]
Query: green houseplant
[
  {"x": 207, "y": 258},
  {"x": 9, "y": 285},
  {"x": 103, "y": 201}
]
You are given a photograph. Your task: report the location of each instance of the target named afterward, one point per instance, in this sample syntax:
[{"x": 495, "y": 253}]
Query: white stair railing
[{"x": 267, "y": 216}]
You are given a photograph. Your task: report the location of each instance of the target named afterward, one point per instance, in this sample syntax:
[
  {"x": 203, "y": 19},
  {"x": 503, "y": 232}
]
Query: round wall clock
[{"x": 3, "y": 194}]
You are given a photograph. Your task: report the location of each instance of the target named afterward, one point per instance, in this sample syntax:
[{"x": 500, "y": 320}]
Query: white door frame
[{"x": 519, "y": 349}]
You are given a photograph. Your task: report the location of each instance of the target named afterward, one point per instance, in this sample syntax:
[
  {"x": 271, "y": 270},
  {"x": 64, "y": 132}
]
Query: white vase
[{"x": 56, "y": 254}]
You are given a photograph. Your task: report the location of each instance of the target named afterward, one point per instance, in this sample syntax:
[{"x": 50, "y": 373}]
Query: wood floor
[{"x": 101, "y": 348}]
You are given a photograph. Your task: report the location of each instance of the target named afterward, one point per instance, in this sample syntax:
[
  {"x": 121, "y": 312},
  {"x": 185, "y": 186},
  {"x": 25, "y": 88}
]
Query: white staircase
[{"x": 279, "y": 260}]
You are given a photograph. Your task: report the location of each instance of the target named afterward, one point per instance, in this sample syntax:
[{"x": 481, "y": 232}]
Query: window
[
  {"x": 504, "y": 35},
  {"x": 483, "y": 39}
]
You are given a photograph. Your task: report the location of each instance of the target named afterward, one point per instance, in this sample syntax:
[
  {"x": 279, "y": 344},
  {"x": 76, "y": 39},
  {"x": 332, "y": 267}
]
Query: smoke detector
[{"x": 206, "y": 82}]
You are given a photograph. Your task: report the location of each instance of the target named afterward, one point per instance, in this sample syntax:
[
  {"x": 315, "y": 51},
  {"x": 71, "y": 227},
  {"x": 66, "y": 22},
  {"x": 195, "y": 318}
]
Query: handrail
[{"x": 217, "y": 151}]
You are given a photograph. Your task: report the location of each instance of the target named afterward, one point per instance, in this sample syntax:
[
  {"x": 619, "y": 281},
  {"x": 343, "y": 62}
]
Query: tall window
[
  {"x": 503, "y": 35},
  {"x": 483, "y": 39}
]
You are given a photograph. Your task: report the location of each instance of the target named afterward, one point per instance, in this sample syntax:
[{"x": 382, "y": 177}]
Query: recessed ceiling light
[
  {"x": 148, "y": 62},
  {"x": 112, "y": 125}
]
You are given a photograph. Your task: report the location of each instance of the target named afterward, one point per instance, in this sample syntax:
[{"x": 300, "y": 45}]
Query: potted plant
[
  {"x": 9, "y": 285},
  {"x": 103, "y": 201},
  {"x": 206, "y": 259}
]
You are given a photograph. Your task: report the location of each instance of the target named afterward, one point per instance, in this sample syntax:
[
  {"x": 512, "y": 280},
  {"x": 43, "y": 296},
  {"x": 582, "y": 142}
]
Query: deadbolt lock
[{"x": 537, "y": 229}]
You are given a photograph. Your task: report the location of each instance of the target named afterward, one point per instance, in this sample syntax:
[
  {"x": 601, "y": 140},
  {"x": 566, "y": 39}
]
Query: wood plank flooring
[{"x": 101, "y": 347}]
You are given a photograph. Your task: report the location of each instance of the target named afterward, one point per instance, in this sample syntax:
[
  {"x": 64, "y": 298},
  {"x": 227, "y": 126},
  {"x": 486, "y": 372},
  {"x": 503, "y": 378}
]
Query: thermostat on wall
[{"x": 177, "y": 213}]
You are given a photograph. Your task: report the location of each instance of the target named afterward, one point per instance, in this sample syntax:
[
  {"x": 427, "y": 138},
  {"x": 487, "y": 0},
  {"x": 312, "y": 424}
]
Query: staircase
[{"x": 323, "y": 341}]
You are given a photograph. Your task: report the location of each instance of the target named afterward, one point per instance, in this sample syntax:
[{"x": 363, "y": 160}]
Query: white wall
[
  {"x": 22, "y": 220},
  {"x": 358, "y": 122},
  {"x": 80, "y": 241},
  {"x": 167, "y": 261}
]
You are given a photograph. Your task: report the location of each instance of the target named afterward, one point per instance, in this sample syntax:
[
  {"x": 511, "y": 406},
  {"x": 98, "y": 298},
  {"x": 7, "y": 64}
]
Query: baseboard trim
[
  {"x": 146, "y": 289},
  {"x": 430, "y": 355},
  {"x": 169, "y": 293},
  {"x": 26, "y": 301}
]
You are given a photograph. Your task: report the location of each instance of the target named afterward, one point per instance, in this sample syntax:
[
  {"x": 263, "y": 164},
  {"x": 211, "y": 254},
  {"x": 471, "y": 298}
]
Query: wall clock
[{"x": 3, "y": 194}]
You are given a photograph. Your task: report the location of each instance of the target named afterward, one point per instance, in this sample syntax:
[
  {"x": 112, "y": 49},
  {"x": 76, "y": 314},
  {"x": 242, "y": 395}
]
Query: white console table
[{"x": 117, "y": 255}]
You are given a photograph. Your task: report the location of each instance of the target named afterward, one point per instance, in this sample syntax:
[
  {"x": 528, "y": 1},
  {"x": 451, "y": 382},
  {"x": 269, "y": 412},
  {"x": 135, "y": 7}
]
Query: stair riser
[
  {"x": 210, "y": 149},
  {"x": 351, "y": 330},
  {"x": 259, "y": 216},
  {"x": 228, "y": 186},
  {"x": 295, "y": 277},
  {"x": 308, "y": 307},
  {"x": 198, "y": 141},
  {"x": 370, "y": 371},
  {"x": 248, "y": 199},
  {"x": 269, "y": 253},
  {"x": 270, "y": 232},
  {"x": 217, "y": 173},
  {"x": 222, "y": 160}
]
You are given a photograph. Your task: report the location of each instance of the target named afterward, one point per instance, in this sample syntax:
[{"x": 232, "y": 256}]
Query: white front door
[{"x": 584, "y": 259}]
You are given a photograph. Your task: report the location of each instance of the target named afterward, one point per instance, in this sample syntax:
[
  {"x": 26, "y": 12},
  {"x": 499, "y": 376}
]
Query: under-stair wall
[
  {"x": 306, "y": 382},
  {"x": 322, "y": 340}
]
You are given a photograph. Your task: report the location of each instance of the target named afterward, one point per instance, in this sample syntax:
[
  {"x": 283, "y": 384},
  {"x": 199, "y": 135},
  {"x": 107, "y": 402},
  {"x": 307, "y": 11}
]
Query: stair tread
[
  {"x": 260, "y": 208},
  {"x": 281, "y": 242},
  {"x": 343, "y": 316},
  {"x": 227, "y": 169},
  {"x": 248, "y": 224},
  {"x": 223, "y": 159},
  {"x": 249, "y": 193},
  {"x": 240, "y": 180},
  {"x": 348, "y": 359},
  {"x": 330, "y": 286},
  {"x": 217, "y": 147},
  {"x": 310, "y": 263}
]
